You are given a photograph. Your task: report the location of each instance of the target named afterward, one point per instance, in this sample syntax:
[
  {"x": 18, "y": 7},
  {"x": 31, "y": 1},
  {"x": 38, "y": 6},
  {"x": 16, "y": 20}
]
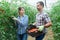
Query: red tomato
[{"x": 33, "y": 30}]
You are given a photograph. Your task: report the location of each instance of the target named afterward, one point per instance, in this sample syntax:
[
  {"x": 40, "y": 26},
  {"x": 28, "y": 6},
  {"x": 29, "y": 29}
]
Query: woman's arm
[
  {"x": 24, "y": 22},
  {"x": 34, "y": 23}
]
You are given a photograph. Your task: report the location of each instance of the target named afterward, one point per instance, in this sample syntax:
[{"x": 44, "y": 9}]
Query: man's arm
[
  {"x": 47, "y": 20},
  {"x": 48, "y": 25}
]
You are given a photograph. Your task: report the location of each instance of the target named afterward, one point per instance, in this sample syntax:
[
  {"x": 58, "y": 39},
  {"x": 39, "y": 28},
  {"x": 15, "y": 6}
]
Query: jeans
[
  {"x": 22, "y": 36},
  {"x": 40, "y": 37}
]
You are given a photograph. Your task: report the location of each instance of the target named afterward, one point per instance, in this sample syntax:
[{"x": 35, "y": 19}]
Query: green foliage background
[
  {"x": 55, "y": 17},
  {"x": 7, "y": 26}
]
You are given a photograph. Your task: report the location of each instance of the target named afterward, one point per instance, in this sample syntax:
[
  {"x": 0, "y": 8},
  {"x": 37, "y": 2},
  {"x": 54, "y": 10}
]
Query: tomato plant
[
  {"x": 55, "y": 16},
  {"x": 7, "y": 25}
]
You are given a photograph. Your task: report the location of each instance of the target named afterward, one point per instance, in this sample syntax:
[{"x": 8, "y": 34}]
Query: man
[{"x": 42, "y": 20}]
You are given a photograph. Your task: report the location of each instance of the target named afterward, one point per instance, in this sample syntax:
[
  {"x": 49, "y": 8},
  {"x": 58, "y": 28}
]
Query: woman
[{"x": 22, "y": 24}]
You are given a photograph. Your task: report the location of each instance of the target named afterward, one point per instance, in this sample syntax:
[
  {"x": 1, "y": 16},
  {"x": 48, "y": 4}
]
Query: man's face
[
  {"x": 39, "y": 7},
  {"x": 22, "y": 11}
]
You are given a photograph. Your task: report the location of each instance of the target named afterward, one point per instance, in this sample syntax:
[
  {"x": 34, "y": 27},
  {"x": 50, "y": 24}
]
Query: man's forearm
[{"x": 48, "y": 25}]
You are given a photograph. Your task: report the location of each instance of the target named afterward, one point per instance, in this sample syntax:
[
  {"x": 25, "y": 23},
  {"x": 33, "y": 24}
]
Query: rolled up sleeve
[{"x": 47, "y": 18}]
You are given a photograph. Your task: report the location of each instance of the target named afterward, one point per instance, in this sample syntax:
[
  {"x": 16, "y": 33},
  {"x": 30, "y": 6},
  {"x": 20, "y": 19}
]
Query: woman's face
[{"x": 21, "y": 12}]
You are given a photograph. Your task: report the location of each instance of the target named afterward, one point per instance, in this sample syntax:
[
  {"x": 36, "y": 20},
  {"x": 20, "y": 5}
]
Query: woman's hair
[{"x": 19, "y": 9}]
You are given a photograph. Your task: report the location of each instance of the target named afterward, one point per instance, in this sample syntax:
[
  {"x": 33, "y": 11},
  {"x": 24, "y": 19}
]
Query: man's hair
[
  {"x": 41, "y": 3},
  {"x": 19, "y": 9}
]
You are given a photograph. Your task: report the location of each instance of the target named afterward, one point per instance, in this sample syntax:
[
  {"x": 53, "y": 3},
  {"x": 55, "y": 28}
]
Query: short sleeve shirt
[{"x": 42, "y": 18}]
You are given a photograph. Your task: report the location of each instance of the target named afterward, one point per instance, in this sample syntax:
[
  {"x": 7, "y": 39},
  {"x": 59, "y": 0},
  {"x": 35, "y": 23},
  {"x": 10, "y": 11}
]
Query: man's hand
[{"x": 40, "y": 28}]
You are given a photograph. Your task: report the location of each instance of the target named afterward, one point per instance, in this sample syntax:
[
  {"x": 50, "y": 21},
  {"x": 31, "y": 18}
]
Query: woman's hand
[
  {"x": 34, "y": 23},
  {"x": 14, "y": 18}
]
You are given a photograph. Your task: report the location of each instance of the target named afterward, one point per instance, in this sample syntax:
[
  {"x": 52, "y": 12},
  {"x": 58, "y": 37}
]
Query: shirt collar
[
  {"x": 40, "y": 12},
  {"x": 22, "y": 16}
]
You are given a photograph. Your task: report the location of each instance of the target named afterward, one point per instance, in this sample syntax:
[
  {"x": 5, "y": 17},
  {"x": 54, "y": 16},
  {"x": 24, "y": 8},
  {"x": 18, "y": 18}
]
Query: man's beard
[{"x": 38, "y": 9}]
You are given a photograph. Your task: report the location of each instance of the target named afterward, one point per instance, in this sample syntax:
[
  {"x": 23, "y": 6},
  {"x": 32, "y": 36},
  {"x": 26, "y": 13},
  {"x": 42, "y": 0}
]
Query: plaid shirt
[{"x": 42, "y": 18}]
